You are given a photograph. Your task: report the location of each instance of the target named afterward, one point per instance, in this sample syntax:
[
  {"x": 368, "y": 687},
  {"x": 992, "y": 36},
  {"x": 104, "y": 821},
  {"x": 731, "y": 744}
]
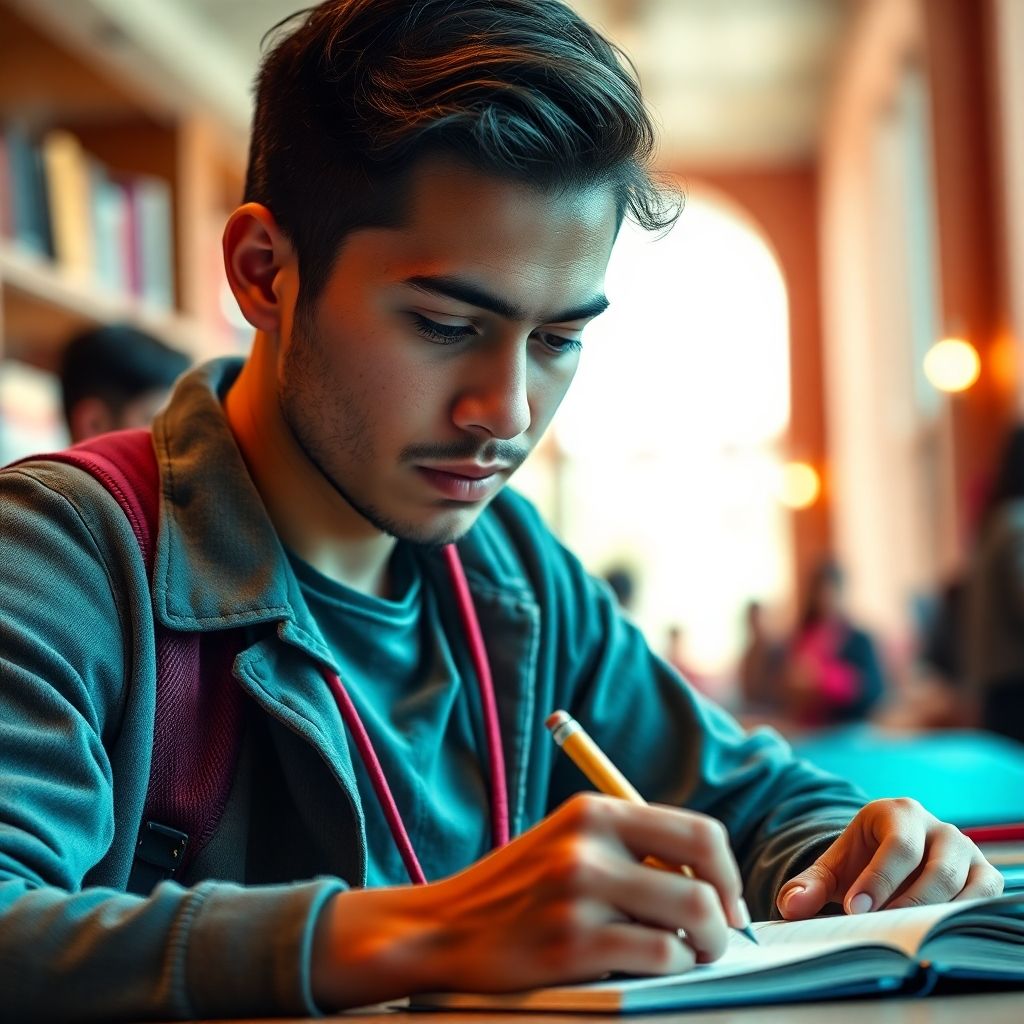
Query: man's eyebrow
[{"x": 464, "y": 291}]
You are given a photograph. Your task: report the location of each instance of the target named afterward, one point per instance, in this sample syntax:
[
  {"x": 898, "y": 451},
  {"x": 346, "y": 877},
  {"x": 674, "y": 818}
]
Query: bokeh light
[
  {"x": 952, "y": 364},
  {"x": 799, "y": 485}
]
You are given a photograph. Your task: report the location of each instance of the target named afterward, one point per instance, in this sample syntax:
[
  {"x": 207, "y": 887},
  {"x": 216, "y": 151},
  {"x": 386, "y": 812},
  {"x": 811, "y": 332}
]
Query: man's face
[{"x": 438, "y": 351}]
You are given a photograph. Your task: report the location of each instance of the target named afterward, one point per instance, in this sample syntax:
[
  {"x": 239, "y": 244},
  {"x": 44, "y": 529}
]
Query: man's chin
[{"x": 434, "y": 531}]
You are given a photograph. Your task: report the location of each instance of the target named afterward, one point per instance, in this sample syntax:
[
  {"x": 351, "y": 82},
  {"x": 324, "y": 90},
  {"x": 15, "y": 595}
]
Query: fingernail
[
  {"x": 795, "y": 891},
  {"x": 860, "y": 904}
]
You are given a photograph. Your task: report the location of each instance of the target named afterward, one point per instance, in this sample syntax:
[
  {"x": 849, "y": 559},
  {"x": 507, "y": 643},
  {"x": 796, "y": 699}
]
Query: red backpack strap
[{"x": 198, "y": 724}]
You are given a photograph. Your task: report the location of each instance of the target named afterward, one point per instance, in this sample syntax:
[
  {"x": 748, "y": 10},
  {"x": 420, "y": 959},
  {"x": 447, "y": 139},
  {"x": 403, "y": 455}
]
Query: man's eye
[
  {"x": 443, "y": 334},
  {"x": 561, "y": 346}
]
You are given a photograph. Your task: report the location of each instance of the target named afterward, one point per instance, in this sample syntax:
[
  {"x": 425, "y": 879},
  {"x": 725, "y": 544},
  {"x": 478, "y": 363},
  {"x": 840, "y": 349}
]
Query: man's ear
[{"x": 257, "y": 258}]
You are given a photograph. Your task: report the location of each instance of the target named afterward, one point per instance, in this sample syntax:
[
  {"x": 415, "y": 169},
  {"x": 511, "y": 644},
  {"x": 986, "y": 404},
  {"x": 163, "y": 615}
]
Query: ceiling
[{"x": 729, "y": 81}]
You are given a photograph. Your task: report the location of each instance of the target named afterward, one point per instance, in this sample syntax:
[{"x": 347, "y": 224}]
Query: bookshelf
[
  {"x": 43, "y": 305},
  {"x": 148, "y": 168}
]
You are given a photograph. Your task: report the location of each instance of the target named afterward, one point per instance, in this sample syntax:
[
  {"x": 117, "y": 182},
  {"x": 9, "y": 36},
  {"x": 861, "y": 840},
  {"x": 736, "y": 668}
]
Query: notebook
[{"x": 903, "y": 951}]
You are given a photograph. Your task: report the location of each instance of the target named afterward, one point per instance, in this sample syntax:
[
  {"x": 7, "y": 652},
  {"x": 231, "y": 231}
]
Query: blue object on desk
[
  {"x": 1013, "y": 877},
  {"x": 962, "y": 776}
]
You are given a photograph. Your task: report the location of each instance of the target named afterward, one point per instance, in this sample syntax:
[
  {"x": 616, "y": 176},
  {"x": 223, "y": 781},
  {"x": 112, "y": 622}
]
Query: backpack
[{"x": 198, "y": 721}]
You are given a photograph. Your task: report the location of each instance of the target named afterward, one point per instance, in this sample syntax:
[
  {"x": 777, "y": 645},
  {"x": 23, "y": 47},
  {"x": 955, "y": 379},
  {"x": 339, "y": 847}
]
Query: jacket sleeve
[
  {"x": 675, "y": 745},
  {"x": 73, "y": 945}
]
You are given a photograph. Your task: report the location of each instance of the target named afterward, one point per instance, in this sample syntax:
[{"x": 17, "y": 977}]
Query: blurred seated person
[
  {"x": 936, "y": 697},
  {"x": 677, "y": 656},
  {"x": 832, "y": 672},
  {"x": 623, "y": 584},
  {"x": 995, "y": 600},
  {"x": 942, "y": 645},
  {"x": 759, "y": 672},
  {"x": 114, "y": 377}
]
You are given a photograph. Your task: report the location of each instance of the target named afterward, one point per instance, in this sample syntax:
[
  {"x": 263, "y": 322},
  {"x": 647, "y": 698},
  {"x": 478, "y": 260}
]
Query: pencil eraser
[{"x": 557, "y": 718}]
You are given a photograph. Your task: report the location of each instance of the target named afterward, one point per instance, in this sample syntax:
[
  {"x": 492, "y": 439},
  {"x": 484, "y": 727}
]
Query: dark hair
[
  {"x": 352, "y": 98},
  {"x": 1008, "y": 484},
  {"x": 622, "y": 583},
  {"x": 827, "y": 572},
  {"x": 117, "y": 364}
]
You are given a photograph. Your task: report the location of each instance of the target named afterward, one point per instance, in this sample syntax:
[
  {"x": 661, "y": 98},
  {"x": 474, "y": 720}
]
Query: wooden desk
[{"x": 997, "y": 1008}]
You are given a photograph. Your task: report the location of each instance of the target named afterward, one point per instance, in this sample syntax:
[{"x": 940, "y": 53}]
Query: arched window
[{"x": 664, "y": 456}]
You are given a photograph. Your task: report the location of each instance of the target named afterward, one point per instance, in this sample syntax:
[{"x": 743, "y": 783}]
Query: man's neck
[{"x": 310, "y": 516}]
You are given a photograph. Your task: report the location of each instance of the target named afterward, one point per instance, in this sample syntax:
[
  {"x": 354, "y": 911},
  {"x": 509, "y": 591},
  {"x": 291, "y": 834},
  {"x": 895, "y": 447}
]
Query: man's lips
[
  {"x": 470, "y": 470},
  {"x": 464, "y": 481}
]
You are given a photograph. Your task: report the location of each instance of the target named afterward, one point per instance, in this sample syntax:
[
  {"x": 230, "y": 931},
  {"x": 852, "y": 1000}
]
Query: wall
[
  {"x": 905, "y": 256},
  {"x": 1007, "y": 27},
  {"x": 957, "y": 43}
]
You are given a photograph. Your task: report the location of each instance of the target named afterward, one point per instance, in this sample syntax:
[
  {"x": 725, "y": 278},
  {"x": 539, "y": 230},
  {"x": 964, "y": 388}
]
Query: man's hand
[
  {"x": 893, "y": 854},
  {"x": 569, "y": 900}
]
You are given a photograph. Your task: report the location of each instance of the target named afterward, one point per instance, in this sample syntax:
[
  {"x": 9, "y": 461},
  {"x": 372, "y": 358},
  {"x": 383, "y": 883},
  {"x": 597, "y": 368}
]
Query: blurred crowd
[
  {"x": 826, "y": 672},
  {"x": 965, "y": 669}
]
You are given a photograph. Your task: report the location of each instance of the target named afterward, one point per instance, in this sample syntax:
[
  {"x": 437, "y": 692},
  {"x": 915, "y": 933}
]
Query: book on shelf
[
  {"x": 150, "y": 220},
  {"x": 111, "y": 230},
  {"x": 904, "y": 951},
  {"x": 113, "y": 241},
  {"x": 69, "y": 195},
  {"x": 29, "y": 210}
]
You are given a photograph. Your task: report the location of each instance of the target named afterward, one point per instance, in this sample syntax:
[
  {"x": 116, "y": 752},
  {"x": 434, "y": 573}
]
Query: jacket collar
[{"x": 219, "y": 562}]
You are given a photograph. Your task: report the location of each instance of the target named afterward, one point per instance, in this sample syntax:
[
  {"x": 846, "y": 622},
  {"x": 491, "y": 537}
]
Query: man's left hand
[{"x": 893, "y": 854}]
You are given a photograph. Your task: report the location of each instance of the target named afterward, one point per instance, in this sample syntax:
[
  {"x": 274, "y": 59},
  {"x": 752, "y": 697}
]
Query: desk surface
[{"x": 996, "y": 1008}]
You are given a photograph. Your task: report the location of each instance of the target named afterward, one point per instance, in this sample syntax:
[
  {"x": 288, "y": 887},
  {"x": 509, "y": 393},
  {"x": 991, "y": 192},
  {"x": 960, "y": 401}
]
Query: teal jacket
[{"x": 77, "y": 683}]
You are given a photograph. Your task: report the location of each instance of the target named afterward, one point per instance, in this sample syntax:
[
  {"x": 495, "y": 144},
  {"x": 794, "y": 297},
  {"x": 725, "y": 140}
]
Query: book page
[
  {"x": 788, "y": 942},
  {"x": 746, "y": 972},
  {"x": 743, "y": 957},
  {"x": 824, "y": 954},
  {"x": 904, "y": 929}
]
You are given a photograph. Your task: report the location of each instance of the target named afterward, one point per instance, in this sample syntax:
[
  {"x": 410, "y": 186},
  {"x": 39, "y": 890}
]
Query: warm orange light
[
  {"x": 799, "y": 485},
  {"x": 952, "y": 364}
]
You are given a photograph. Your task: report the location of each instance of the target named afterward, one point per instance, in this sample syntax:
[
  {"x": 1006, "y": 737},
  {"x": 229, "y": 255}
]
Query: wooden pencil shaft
[{"x": 594, "y": 763}]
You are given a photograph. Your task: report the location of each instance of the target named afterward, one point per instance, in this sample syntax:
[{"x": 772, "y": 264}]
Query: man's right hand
[{"x": 569, "y": 900}]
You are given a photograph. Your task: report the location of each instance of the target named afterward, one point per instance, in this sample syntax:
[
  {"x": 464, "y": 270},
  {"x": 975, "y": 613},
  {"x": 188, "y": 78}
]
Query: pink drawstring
[
  {"x": 499, "y": 791},
  {"x": 380, "y": 783},
  {"x": 499, "y": 794}
]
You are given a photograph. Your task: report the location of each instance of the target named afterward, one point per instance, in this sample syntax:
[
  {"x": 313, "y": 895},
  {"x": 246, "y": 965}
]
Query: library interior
[{"x": 791, "y": 462}]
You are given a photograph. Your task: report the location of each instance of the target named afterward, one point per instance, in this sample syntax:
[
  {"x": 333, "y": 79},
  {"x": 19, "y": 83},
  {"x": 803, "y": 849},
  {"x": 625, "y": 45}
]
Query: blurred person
[
  {"x": 115, "y": 377},
  {"x": 994, "y": 649},
  {"x": 936, "y": 695},
  {"x": 622, "y": 581},
  {"x": 676, "y": 655},
  {"x": 423, "y": 241},
  {"x": 832, "y": 672},
  {"x": 759, "y": 671},
  {"x": 944, "y": 636}
]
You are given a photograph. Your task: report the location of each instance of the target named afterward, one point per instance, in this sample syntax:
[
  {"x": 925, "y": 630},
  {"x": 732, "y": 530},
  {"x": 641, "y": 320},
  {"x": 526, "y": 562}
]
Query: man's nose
[{"x": 494, "y": 398}]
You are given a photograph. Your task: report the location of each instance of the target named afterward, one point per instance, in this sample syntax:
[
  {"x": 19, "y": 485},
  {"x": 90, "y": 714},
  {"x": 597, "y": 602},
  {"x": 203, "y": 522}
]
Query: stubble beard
[{"x": 312, "y": 416}]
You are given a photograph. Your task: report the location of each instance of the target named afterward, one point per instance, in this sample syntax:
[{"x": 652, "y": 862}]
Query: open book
[{"x": 887, "y": 951}]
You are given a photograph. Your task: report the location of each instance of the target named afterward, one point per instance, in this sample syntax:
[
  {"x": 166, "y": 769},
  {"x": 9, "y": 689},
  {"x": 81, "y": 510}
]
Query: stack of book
[{"x": 108, "y": 230}]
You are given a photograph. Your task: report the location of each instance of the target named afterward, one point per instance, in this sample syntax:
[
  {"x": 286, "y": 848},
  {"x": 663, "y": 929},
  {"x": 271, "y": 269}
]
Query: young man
[
  {"x": 115, "y": 377},
  {"x": 433, "y": 194}
]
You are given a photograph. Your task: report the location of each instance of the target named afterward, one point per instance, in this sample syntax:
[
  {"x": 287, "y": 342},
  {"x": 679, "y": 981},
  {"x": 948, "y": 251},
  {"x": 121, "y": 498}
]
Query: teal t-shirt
[{"x": 405, "y": 663}]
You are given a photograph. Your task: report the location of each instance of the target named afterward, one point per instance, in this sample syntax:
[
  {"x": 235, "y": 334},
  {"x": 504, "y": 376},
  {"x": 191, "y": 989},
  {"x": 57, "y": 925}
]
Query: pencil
[{"x": 599, "y": 769}]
